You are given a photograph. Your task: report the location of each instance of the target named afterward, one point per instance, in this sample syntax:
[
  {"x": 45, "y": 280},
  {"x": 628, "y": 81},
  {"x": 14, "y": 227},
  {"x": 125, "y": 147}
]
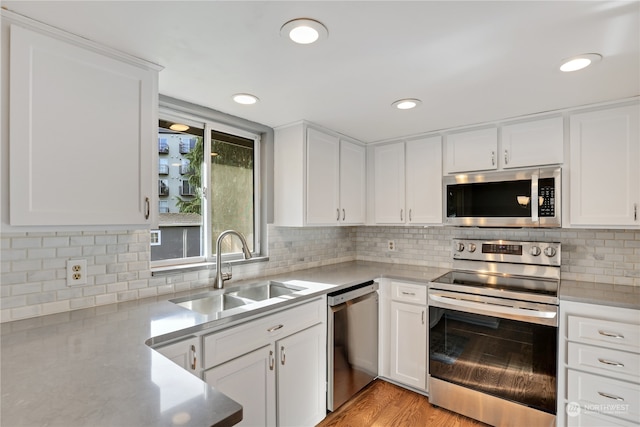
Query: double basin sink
[{"x": 215, "y": 303}]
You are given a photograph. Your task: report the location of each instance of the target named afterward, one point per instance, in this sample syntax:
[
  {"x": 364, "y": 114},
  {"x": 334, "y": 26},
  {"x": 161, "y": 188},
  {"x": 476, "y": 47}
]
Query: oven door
[{"x": 503, "y": 348}]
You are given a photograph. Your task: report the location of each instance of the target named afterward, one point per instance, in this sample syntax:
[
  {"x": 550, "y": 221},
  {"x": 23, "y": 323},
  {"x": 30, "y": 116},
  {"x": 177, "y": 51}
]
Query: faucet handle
[{"x": 228, "y": 274}]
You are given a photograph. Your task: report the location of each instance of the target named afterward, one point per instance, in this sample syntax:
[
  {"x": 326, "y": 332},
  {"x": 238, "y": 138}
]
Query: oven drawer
[
  {"x": 409, "y": 292},
  {"x": 604, "y": 395},
  {"x": 622, "y": 336},
  {"x": 615, "y": 363}
]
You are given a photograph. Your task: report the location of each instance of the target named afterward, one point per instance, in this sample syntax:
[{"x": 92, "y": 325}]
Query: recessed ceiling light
[
  {"x": 406, "y": 104},
  {"x": 178, "y": 127},
  {"x": 245, "y": 98},
  {"x": 304, "y": 30},
  {"x": 579, "y": 62}
]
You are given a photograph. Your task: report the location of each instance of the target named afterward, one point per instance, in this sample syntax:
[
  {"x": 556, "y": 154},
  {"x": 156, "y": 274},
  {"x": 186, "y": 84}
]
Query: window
[{"x": 200, "y": 196}]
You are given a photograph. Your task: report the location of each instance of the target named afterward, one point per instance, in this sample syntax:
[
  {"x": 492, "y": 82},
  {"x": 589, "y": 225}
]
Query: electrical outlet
[
  {"x": 391, "y": 246},
  {"x": 76, "y": 272}
]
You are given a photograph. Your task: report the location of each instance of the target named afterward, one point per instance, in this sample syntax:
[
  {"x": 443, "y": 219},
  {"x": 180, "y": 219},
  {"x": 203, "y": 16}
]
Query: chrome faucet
[{"x": 220, "y": 276}]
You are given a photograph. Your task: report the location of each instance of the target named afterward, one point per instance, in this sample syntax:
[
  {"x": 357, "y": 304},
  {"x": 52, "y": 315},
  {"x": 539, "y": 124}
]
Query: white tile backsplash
[{"x": 33, "y": 275}]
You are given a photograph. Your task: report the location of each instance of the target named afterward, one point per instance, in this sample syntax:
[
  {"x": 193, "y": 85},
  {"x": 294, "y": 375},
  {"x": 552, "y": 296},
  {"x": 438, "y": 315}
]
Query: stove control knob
[
  {"x": 550, "y": 251},
  {"x": 535, "y": 250},
  {"x": 472, "y": 247},
  {"x": 459, "y": 246}
]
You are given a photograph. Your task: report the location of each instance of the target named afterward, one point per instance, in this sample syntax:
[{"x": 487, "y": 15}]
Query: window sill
[{"x": 186, "y": 268}]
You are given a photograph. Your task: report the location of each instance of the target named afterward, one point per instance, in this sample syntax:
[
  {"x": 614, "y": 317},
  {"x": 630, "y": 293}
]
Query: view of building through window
[{"x": 183, "y": 224}]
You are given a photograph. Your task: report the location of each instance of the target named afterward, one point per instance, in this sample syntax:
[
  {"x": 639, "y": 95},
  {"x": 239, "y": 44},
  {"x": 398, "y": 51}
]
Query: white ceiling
[{"x": 469, "y": 62}]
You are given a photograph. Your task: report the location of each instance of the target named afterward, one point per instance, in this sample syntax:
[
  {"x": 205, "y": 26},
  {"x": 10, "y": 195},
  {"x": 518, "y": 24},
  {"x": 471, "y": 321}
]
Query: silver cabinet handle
[
  {"x": 283, "y": 357},
  {"x": 401, "y": 214},
  {"x": 408, "y": 293},
  {"x": 272, "y": 360},
  {"x": 493, "y": 158},
  {"x": 611, "y": 363},
  {"x": 274, "y": 328},
  {"x": 344, "y": 215},
  {"x": 611, "y": 334},
  {"x": 635, "y": 211},
  {"x": 506, "y": 157},
  {"x": 147, "y": 207},
  {"x": 423, "y": 317},
  {"x": 611, "y": 396},
  {"x": 409, "y": 215},
  {"x": 194, "y": 360},
  {"x": 337, "y": 214}
]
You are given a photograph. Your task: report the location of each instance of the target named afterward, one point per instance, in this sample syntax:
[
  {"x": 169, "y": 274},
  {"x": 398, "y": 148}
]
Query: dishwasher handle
[{"x": 342, "y": 306}]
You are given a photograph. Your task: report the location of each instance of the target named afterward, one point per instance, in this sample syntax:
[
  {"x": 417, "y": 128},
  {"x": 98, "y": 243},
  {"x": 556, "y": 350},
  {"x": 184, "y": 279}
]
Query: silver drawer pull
[
  {"x": 611, "y": 396},
  {"x": 409, "y": 293},
  {"x": 611, "y": 362},
  {"x": 611, "y": 334},
  {"x": 274, "y": 328}
]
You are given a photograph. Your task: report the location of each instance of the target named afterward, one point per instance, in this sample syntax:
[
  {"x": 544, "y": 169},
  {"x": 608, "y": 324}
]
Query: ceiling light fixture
[
  {"x": 178, "y": 127},
  {"x": 245, "y": 98},
  {"x": 406, "y": 104},
  {"x": 579, "y": 62},
  {"x": 304, "y": 30}
]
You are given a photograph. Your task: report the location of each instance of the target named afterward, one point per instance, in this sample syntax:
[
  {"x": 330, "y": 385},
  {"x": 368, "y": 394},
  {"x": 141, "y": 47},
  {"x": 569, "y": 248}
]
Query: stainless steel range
[{"x": 493, "y": 335}]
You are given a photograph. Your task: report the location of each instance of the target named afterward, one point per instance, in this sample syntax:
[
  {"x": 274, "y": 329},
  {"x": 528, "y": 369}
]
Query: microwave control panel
[{"x": 547, "y": 198}]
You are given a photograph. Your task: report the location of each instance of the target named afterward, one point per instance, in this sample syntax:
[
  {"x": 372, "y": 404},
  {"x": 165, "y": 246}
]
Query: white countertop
[{"x": 91, "y": 367}]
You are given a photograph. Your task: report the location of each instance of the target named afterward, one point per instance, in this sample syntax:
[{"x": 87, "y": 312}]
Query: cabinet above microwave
[{"x": 522, "y": 198}]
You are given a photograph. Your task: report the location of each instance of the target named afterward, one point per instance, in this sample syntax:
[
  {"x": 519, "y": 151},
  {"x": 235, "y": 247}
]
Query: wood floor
[{"x": 382, "y": 404}]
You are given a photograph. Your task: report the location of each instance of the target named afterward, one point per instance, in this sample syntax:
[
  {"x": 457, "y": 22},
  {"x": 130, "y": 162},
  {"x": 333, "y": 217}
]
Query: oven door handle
[
  {"x": 490, "y": 309},
  {"x": 535, "y": 204}
]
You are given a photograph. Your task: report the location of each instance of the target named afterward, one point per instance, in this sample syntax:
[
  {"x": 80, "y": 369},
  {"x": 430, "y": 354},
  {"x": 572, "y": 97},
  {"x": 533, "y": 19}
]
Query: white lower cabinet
[
  {"x": 408, "y": 335},
  {"x": 275, "y": 367},
  {"x": 599, "y": 372},
  {"x": 184, "y": 353}
]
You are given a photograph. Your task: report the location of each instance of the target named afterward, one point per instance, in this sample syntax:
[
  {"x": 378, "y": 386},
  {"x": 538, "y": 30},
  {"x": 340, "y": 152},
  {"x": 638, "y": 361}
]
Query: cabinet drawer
[
  {"x": 409, "y": 292},
  {"x": 616, "y": 363},
  {"x": 623, "y": 336},
  {"x": 229, "y": 343},
  {"x": 616, "y": 398},
  {"x": 591, "y": 419}
]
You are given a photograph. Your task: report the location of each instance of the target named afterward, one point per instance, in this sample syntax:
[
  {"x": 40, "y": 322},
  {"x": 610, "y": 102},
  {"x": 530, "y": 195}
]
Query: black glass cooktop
[{"x": 501, "y": 282}]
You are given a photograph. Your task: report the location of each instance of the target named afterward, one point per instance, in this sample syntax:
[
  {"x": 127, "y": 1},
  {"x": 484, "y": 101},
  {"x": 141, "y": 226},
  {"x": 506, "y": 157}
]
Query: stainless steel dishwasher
[{"x": 352, "y": 342}]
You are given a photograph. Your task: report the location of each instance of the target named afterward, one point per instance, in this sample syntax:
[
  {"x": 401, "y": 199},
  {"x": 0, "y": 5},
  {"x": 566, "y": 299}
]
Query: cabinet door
[
  {"x": 389, "y": 181},
  {"x": 250, "y": 381},
  {"x": 352, "y": 183},
  {"x": 472, "y": 151},
  {"x": 534, "y": 143},
  {"x": 323, "y": 153},
  {"x": 302, "y": 376},
  {"x": 424, "y": 181},
  {"x": 604, "y": 174},
  {"x": 409, "y": 344},
  {"x": 185, "y": 353},
  {"x": 67, "y": 166}
]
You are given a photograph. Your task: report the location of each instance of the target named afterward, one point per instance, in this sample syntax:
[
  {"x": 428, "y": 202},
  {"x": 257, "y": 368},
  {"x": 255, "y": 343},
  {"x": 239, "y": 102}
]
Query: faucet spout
[{"x": 220, "y": 276}]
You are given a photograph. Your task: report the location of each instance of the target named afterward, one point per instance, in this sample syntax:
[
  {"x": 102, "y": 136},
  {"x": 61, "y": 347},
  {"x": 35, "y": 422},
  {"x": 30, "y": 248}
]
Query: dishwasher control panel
[{"x": 347, "y": 294}]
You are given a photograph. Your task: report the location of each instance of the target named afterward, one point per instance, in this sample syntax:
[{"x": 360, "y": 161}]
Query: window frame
[{"x": 208, "y": 124}]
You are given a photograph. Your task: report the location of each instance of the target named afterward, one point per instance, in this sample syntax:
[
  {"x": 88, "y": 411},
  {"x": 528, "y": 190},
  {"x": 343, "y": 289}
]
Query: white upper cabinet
[
  {"x": 470, "y": 151},
  {"x": 538, "y": 142},
  {"x": 408, "y": 182},
  {"x": 604, "y": 172},
  {"x": 389, "y": 184},
  {"x": 83, "y": 122},
  {"x": 424, "y": 181},
  {"x": 352, "y": 183},
  {"x": 319, "y": 178},
  {"x": 323, "y": 178}
]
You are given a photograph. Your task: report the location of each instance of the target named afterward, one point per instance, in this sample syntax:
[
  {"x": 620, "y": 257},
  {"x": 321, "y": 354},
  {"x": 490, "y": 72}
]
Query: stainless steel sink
[
  {"x": 213, "y": 304},
  {"x": 260, "y": 291},
  {"x": 265, "y": 290}
]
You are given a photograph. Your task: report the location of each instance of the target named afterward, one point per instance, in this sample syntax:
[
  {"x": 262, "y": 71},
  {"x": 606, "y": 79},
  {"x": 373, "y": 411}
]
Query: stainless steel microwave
[{"x": 519, "y": 198}]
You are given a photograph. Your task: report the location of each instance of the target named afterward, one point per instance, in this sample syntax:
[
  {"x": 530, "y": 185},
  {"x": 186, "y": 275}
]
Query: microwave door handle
[{"x": 534, "y": 198}]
